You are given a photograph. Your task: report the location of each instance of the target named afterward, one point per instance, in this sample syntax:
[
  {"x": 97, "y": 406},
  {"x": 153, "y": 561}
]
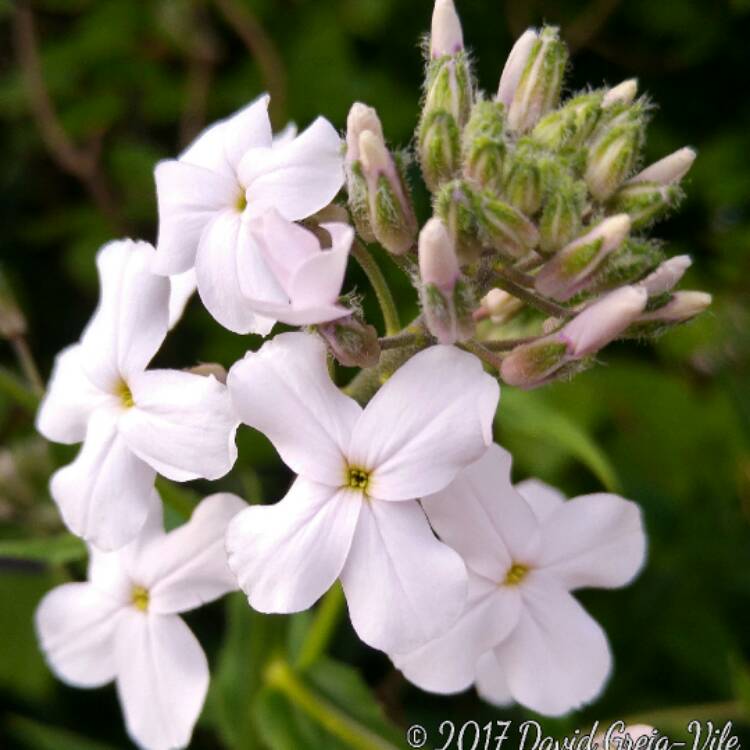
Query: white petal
[
  {"x": 188, "y": 197},
  {"x": 285, "y": 556},
  {"x": 449, "y": 663},
  {"x": 188, "y": 567},
  {"x": 182, "y": 424},
  {"x": 297, "y": 179},
  {"x": 286, "y": 135},
  {"x": 482, "y": 517},
  {"x": 70, "y": 399},
  {"x": 224, "y": 253},
  {"x": 181, "y": 289},
  {"x": 403, "y": 587},
  {"x": 131, "y": 321},
  {"x": 429, "y": 421},
  {"x": 75, "y": 625},
  {"x": 284, "y": 391},
  {"x": 105, "y": 494},
  {"x": 491, "y": 682},
  {"x": 594, "y": 540},
  {"x": 221, "y": 146},
  {"x": 557, "y": 658},
  {"x": 543, "y": 499},
  {"x": 162, "y": 679}
]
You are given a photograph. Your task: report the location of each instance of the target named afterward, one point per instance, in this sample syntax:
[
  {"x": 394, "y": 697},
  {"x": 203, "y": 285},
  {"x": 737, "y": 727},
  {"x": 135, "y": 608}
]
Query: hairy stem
[
  {"x": 323, "y": 626},
  {"x": 477, "y": 349},
  {"x": 27, "y": 363},
  {"x": 380, "y": 285},
  {"x": 501, "y": 278}
]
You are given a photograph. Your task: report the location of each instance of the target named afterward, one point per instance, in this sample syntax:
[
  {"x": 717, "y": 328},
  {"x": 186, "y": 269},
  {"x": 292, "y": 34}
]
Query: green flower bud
[
  {"x": 454, "y": 204},
  {"x": 531, "y": 365},
  {"x": 484, "y": 146},
  {"x": 449, "y": 87},
  {"x": 646, "y": 202},
  {"x": 561, "y": 218},
  {"x": 570, "y": 125},
  {"x": 523, "y": 182},
  {"x": 439, "y": 148},
  {"x": 503, "y": 227},
  {"x": 352, "y": 342}
]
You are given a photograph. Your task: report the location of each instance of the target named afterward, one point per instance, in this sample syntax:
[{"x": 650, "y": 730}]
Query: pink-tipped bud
[
  {"x": 500, "y": 306},
  {"x": 533, "y": 364},
  {"x": 603, "y": 321},
  {"x": 566, "y": 272},
  {"x": 682, "y": 307},
  {"x": 360, "y": 118},
  {"x": 668, "y": 170},
  {"x": 623, "y": 93},
  {"x": 514, "y": 66},
  {"x": 351, "y": 341},
  {"x": 667, "y": 275},
  {"x": 447, "y": 37},
  {"x": 438, "y": 263}
]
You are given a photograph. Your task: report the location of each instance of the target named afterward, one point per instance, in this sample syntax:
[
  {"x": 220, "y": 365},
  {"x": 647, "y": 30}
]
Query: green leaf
[
  {"x": 35, "y": 736},
  {"x": 527, "y": 416},
  {"x": 56, "y": 550}
]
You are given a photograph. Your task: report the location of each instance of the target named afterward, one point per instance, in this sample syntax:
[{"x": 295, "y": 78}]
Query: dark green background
[{"x": 673, "y": 418}]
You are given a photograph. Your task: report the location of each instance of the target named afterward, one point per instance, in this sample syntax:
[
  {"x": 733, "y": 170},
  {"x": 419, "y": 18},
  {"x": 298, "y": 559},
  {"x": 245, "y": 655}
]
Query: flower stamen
[
  {"x": 123, "y": 392},
  {"x": 515, "y": 574},
  {"x": 140, "y": 598},
  {"x": 357, "y": 479}
]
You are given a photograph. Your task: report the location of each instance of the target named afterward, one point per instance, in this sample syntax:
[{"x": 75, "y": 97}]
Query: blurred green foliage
[{"x": 128, "y": 83}]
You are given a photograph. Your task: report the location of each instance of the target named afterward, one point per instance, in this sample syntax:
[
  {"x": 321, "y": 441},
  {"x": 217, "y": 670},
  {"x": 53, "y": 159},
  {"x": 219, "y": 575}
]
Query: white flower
[
  {"x": 522, "y": 636},
  {"x": 351, "y": 513},
  {"x": 122, "y": 624},
  {"x": 133, "y": 422},
  {"x": 232, "y": 174}
]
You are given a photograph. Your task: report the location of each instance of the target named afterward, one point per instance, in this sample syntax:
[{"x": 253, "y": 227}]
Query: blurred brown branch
[{"x": 84, "y": 164}]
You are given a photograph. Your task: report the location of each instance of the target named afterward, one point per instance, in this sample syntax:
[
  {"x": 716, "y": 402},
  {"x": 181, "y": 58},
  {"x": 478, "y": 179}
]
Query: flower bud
[
  {"x": 360, "y": 118},
  {"x": 351, "y": 341},
  {"x": 631, "y": 261},
  {"x": 570, "y": 125},
  {"x": 668, "y": 170},
  {"x": 523, "y": 182},
  {"x": 560, "y": 222},
  {"x": 484, "y": 146},
  {"x": 500, "y": 306},
  {"x": 646, "y": 202},
  {"x": 454, "y": 204},
  {"x": 439, "y": 150},
  {"x": 503, "y": 227},
  {"x": 623, "y": 94},
  {"x": 446, "y": 297},
  {"x": 667, "y": 275},
  {"x": 538, "y": 89},
  {"x": 566, "y": 272},
  {"x": 603, "y": 321},
  {"x": 392, "y": 217},
  {"x": 446, "y": 37},
  {"x": 12, "y": 320},
  {"x": 530, "y": 365},
  {"x": 515, "y": 65},
  {"x": 681, "y": 307}
]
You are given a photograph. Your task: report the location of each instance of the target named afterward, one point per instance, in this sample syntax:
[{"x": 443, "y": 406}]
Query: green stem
[
  {"x": 322, "y": 628},
  {"x": 504, "y": 345},
  {"x": 483, "y": 353},
  {"x": 13, "y": 387},
  {"x": 379, "y": 284},
  {"x": 28, "y": 366},
  {"x": 280, "y": 676},
  {"x": 501, "y": 279}
]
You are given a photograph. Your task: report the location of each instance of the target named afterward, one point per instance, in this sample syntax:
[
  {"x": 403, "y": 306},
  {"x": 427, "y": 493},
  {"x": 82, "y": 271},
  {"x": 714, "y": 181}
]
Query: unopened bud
[
  {"x": 438, "y": 263},
  {"x": 646, "y": 202},
  {"x": 603, "y": 321},
  {"x": 561, "y": 218},
  {"x": 500, "y": 306},
  {"x": 454, "y": 204},
  {"x": 484, "y": 146},
  {"x": 439, "y": 148},
  {"x": 566, "y": 272},
  {"x": 631, "y": 261},
  {"x": 681, "y": 306},
  {"x": 668, "y": 170},
  {"x": 623, "y": 93},
  {"x": 446, "y": 37},
  {"x": 12, "y": 320},
  {"x": 538, "y": 89},
  {"x": 523, "y": 183},
  {"x": 360, "y": 118},
  {"x": 570, "y": 125},
  {"x": 530, "y": 365},
  {"x": 515, "y": 65},
  {"x": 351, "y": 341},
  {"x": 667, "y": 275},
  {"x": 503, "y": 227},
  {"x": 207, "y": 369},
  {"x": 392, "y": 217}
]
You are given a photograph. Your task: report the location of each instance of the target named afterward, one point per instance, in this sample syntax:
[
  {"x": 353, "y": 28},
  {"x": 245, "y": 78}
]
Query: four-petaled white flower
[
  {"x": 209, "y": 198},
  {"x": 133, "y": 422},
  {"x": 123, "y": 623},
  {"x": 352, "y": 512},
  {"x": 522, "y": 636}
]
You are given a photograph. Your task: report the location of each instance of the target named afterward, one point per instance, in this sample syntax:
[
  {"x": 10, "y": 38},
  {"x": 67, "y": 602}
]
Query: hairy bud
[
  {"x": 680, "y": 307},
  {"x": 628, "y": 263},
  {"x": 484, "y": 146},
  {"x": 439, "y": 148},
  {"x": 623, "y": 93},
  {"x": 570, "y": 125},
  {"x": 523, "y": 182},
  {"x": 500, "y": 306},
  {"x": 646, "y": 202},
  {"x": 515, "y": 65},
  {"x": 560, "y": 222},
  {"x": 351, "y": 341},
  {"x": 503, "y": 227},
  {"x": 531, "y": 365},
  {"x": 668, "y": 170},
  {"x": 446, "y": 37},
  {"x": 454, "y": 204},
  {"x": 667, "y": 275}
]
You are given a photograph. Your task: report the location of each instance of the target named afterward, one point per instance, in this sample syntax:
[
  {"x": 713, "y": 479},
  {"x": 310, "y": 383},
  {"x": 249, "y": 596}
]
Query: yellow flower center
[
  {"x": 515, "y": 574},
  {"x": 357, "y": 479},
  {"x": 139, "y": 597},
  {"x": 123, "y": 392},
  {"x": 241, "y": 203}
]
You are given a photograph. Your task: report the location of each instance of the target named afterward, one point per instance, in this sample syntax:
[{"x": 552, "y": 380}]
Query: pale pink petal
[
  {"x": 70, "y": 399},
  {"x": 162, "y": 679},
  {"x": 594, "y": 540},
  {"x": 543, "y": 499},
  {"x": 284, "y": 391},
  {"x": 403, "y": 587},
  {"x": 449, "y": 663},
  {"x": 182, "y": 286},
  {"x": 429, "y": 421},
  {"x": 491, "y": 682},
  {"x": 557, "y": 658},
  {"x": 483, "y": 518},
  {"x": 105, "y": 494},
  {"x": 182, "y": 424},
  {"x": 285, "y": 556},
  {"x": 298, "y": 178},
  {"x": 188, "y": 567},
  {"x": 130, "y": 323},
  {"x": 188, "y": 198},
  {"x": 75, "y": 624}
]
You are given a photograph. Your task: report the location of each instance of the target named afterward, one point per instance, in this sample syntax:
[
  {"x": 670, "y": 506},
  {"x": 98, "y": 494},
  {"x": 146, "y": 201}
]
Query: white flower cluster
[{"x": 460, "y": 577}]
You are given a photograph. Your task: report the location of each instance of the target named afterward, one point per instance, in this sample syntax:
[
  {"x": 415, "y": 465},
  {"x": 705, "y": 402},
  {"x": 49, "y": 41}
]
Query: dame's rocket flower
[
  {"x": 352, "y": 512},
  {"x": 522, "y": 636},
  {"x": 123, "y": 625},
  {"x": 231, "y": 174},
  {"x": 133, "y": 422}
]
